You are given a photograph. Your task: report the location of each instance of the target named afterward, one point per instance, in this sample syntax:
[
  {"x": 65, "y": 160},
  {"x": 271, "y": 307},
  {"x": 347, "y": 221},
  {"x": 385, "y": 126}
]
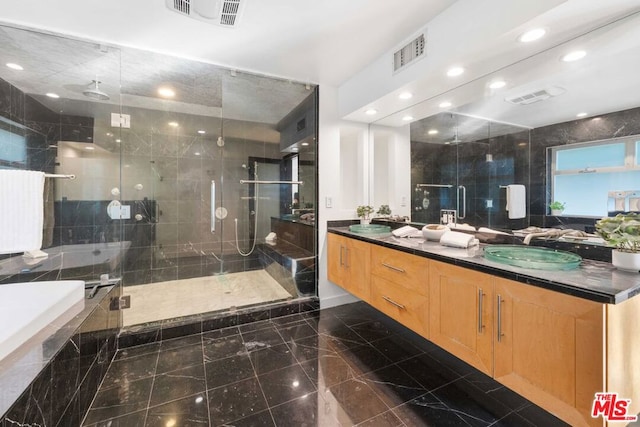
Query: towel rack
[
  {"x": 242, "y": 181},
  {"x": 53, "y": 175}
]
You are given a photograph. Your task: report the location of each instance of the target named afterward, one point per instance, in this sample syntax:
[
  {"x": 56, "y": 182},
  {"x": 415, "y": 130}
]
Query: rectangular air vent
[
  {"x": 409, "y": 53},
  {"x": 225, "y": 13},
  {"x": 229, "y": 14},
  {"x": 182, "y": 6},
  {"x": 535, "y": 96}
]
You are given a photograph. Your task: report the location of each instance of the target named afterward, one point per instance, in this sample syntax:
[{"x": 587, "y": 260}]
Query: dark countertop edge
[
  {"x": 522, "y": 278},
  {"x": 295, "y": 221}
]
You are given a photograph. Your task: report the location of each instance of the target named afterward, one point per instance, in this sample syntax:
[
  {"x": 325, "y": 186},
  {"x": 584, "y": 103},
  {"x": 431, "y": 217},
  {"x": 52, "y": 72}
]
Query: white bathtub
[{"x": 27, "y": 308}]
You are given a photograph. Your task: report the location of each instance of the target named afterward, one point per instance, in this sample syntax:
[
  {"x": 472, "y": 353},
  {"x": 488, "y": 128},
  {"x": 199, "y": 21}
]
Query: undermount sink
[
  {"x": 532, "y": 257},
  {"x": 369, "y": 229}
]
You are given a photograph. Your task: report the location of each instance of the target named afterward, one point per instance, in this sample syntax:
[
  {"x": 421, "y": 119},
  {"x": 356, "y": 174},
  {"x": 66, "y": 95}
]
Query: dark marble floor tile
[
  {"x": 386, "y": 419},
  {"x": 427, "y": 410},
  {"x": 471, "y": 404},
  {"x": 311, "y": 348},
  {"x": 285, "y": 320},
  {"x": 185, "y": 341},
  {"x": 514, "y": 420},
  {"x": 393, "y": 385},
  {"x": 225, "y": 371},
  {"x": 364, "y": 359},
  {"x": 283, "y": 385},
  {"x": 178, "y": 358},
  {"x": 261, "y": 338},
  {"x": 328, "y": 370},
  {"x": 422, "y": 344},
  {"x": 176, "y": 384},
  {"x": 221, "y": 348},
  {"x": 191, "y": 411},
  {"x": 428, "y": 372},
  {"x": 261, "y": 419},
  {"x": 452, "y": 362},
  {"x": 115, "y": 402},
  {"x": 343, "y": 337},
  {"x": 255, "y": 326},
  {"x": 539, "y": 417},
  {"x": 221, "y": 333},
  {"x": 296, "y": 331},
  {"x": 272, "y": 358},
  {"x": 131, "y": 369},
  {"x": 131, "y": 420},
  {"x": 372, "y": 331},
  {"x": 304, "y": 411},
  {"x": 497, "y": 391},
  {"x": 357, "y": 400},
  {"x": 396, "y": 348},
  {"x": 235, "y": 401},
  {"x": 136, "y": 351}
]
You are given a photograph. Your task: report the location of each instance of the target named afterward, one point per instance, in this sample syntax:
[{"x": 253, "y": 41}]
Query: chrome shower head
[{"x": 94, "y": 92}]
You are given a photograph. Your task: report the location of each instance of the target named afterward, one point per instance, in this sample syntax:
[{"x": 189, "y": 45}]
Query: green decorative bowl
[
  {"x": 532, "y": 257},
  {"x": 370, "y": 229}
]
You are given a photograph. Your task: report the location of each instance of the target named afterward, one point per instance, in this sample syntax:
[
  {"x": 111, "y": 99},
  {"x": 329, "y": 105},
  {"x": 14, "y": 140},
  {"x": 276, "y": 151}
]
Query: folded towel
[
  {"x": 516, "y": 201},
  {"x": 458, "y": 240},
  {"x": 407, "y": 231},
  {"x": 465, "y": 227},
  {"x": 489, "y": 230},
  {"x": 22, "y": 212}
]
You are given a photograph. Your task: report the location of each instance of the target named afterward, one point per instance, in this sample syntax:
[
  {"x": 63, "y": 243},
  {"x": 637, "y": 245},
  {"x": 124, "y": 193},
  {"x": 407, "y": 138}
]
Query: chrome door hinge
[{"x": 120, "y": 303}]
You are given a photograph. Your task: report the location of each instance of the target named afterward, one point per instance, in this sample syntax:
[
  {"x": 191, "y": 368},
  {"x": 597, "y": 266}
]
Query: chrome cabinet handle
[
  {"x": 499, "y": 318},
  {"x": 213, "y": 206},
  {"x": 480, "y": 301},
  {"x": 391, "y": 267},
  {"x": 397, "y": 304}
]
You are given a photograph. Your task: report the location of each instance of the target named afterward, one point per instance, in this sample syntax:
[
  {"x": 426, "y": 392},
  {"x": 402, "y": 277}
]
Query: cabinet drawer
[
  {"x": 401, "y": 304},
  {"x": 409, "y": 270}
]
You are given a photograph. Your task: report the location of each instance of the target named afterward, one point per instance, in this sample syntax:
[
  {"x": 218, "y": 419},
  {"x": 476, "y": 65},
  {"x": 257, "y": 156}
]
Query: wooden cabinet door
[
  {"x": 549, "y": 349},
  {"x": 461, "y": 314},
  {"x": 401, "y": 303},
  {"x": 408, "y": 270},
  {"x": 357, "y": 271},
  {"x": 336, "y": 248}
]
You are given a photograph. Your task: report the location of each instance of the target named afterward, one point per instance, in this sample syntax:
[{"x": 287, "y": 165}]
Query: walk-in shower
[{"x": 190, "y": 187}]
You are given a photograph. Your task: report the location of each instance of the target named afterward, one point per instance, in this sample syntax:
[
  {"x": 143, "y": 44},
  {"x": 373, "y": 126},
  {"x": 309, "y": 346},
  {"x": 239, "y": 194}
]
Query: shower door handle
[
  {"x": 464, "y": 201},
  {"x": 213, "y": 206}
]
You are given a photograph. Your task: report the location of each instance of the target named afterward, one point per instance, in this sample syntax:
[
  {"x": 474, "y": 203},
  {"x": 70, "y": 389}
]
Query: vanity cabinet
[
  {"x": 549, "y": 347},
  {"x": 461, "y": 313},
  {"x": 348, "y": 264},
  {"x": 399, "y": 287}
]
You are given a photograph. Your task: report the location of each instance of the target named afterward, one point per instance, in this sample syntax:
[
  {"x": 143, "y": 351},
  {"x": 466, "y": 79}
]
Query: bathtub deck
[{"x": 177, "y": 298}]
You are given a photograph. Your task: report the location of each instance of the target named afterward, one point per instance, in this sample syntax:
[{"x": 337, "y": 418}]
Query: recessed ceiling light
[
  {"x": 109, "y": 134},
  {"x": 371, "y": 112},
  {"x": 305, "y": 144},
  {"x": 294, "y": 149},
  {"x": 202, "y": 132},
  {"x": 197, "y": 153},
  {"x": 118, "y": 140},
  {"x": 433, "y": 131},
  {"x": 581, "y": 115},
  {"x": 173, "y": 124},
  {"x": 497, "y": 84},
  {"x": 53, "y": 95},
  {"x": 405, "y": 95},
  {"x": 574, "y": 56},
  {"x": 532, "y": 35},
  {"x": 14, "y": 66},
  {"x": 445, "y": 104},
  {"x": 89, "y": 148},
  {"x": 595, "y": 119},
  {"x": 407, "y": 118},
  {"x": 166, "y": 92},
  {"x": 455, "y": 71}
]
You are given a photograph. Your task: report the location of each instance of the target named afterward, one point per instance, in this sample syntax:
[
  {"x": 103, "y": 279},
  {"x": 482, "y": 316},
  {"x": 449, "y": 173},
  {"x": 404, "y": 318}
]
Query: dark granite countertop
[{"x": 593, "y": 280}]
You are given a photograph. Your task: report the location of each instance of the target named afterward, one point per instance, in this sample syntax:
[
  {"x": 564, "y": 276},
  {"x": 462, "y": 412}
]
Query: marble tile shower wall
[{"x": 516, "y": 159}]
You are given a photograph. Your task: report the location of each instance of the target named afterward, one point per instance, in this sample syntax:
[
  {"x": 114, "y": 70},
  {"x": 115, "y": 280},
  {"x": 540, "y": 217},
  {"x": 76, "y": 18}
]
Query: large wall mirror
[{"x": 467, "y": 144}]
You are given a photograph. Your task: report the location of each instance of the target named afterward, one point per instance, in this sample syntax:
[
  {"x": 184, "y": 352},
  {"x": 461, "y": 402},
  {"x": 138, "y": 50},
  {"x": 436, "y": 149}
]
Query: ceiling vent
[
  {"x": 409, "y": 53},
  {"x": 225, "y": 13},
  {"x": 536, "y": 96}
]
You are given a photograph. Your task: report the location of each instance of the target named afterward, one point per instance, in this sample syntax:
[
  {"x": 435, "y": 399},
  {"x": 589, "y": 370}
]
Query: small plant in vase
[
  {"x": 363, "y": 213},
  {"x": 384, "y": 211},
  {"x": 623, "y": 233},
  {"x": 556, "y": 208}
]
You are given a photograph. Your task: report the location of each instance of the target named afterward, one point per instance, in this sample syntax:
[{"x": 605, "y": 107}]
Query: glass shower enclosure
[{"x": 204, "y": 177}]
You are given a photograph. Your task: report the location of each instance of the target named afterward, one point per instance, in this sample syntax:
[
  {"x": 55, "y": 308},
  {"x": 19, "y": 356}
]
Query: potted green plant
[
  {"x": 384, "y": 210},
  {"x": 556, "y": 207},
  {"x": 623, "y": 233},
  {"x": 363, "y": 213}
]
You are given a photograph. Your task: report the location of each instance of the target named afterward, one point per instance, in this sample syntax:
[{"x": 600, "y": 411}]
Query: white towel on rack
[
  {"x": 456, "y": 239},
  {"x": 516, "y": 201},
  {"x": 21, "y": 210}
]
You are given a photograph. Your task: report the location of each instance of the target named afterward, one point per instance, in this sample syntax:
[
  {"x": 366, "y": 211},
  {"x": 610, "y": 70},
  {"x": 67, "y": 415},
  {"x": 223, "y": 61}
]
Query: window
[{"x": 582, "y": 175}]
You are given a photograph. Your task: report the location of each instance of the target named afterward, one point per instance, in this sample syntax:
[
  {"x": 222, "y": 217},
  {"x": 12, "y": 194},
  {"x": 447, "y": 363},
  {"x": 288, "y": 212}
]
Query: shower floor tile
[
  {"x": 176, "y": 298},
  {"x": 361, "y": 368}
]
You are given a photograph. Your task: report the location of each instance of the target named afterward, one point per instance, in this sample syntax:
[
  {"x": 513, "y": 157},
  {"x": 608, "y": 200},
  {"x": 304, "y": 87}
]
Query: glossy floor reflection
[{"x": 344, "y": 366}]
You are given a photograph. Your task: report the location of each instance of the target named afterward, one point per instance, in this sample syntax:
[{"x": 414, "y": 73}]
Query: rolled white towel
[{"x": 458, "y": 240}]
